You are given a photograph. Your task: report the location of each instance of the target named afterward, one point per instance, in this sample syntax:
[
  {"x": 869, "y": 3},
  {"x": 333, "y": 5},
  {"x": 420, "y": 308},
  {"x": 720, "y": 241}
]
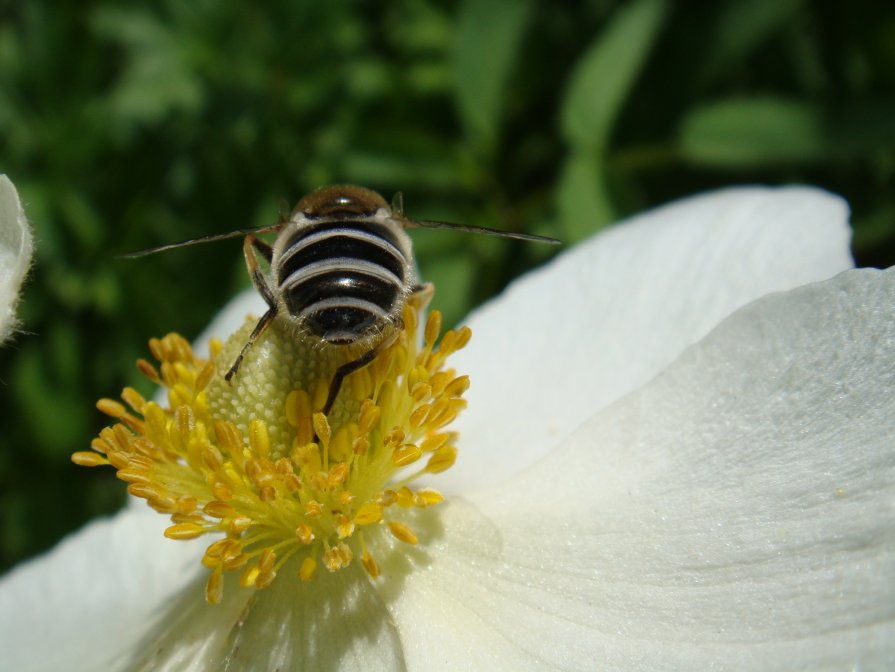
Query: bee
[{"x": 340, "y": 271}]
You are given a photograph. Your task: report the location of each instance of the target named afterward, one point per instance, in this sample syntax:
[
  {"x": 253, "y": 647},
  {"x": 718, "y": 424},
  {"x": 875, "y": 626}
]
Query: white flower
[
  {"x": 646, "y": 484},
  {"x": 15, "y": 254}
]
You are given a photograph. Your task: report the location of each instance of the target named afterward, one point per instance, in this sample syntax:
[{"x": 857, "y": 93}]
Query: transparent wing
[{"x": 435, "y": 224}]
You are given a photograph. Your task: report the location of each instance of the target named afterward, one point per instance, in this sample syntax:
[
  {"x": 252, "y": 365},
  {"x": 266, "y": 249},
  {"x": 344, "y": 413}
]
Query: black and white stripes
[{"x": 342, "y": 276}]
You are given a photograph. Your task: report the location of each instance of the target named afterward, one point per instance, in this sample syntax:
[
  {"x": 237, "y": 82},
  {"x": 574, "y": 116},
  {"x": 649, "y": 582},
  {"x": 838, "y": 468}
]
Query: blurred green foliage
[{"x": 127, "y": 125}]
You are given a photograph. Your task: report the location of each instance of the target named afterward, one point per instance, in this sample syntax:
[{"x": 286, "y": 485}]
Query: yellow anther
[
  {"x": 217, "y": 549},
  {"x": 322, "y": 428},
  {"x": 111, "y": 407},
  {"x": 212, "y": 458},
  {"x": 406, "y": 454},
  {"x": 344, "y": 527},
  {"x": 88, "y": 459},
  {"x": 338, "y": 473},
  {"x": 235, "y": 562},
  {"x": 307, "y": 569},
  {"x": 428, "y": 497},
  {"x": 259, "y": 440},
  {"x": 405, "y": 498},
  {"x": 368, "y": 418},
  {"x": 133, "y": 399},
  {"x": 331, "y": 560},
  {"x": 145, "y": 491},
  {"x": 457, "y": 386},
  {"x": 419, "y": 415},
  {"x": 298, "y": 415},
  {"x": 442, "y": 459},
  {"x": 434, "y": 442},
  {"x": 214, "y": 588},
  {"x": 433, "y": 327},
  {"x": 463, "y": 340},
  {"x": 184, "y": 531},
  {"x": 360, "y": 446},
  {"x": 267, "y": 559},
  {"x": 239, "y": 524},
  {"x": 265, "y": 579},
  {"x": 368, "y": 514},
  {"x": 204, "y": 376},
  {"x": 370, "y": 564},
  {"x": 307, "y": 457},
  {"x": 218, "y": 509},
  {"x": 401, "y": 532},
  {"x": 395, "y": 437},
  {"x": 100, "y": 446},
  {"x": 340, "y": 446},
  {"x": 187, "y": 504},
  {"x": 292, "y": 482},
  {"x": 249, "y": 576},
  {"x": 148, "y": 370},
  {"x": 304, "y": 533},
  {"x": 228, "y": 437}
]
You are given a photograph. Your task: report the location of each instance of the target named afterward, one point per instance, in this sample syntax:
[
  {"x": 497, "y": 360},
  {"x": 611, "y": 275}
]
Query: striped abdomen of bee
[
  {"x": 340, "y": 272},
  {"x": 342, "y": 277}
]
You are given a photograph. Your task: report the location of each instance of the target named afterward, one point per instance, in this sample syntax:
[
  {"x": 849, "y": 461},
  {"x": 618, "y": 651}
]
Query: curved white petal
[
  {"x": 335, "y": 622},
  {"x": 15, "y": 253},
  {"x": 607, "y": 316},
  {"x": 738, "y": 512},
  {"x": 93, "y": 597}
]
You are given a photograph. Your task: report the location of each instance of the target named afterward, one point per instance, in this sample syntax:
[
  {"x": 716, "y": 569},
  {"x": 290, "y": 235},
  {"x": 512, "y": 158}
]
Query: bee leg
[
  {"x": 251, "y": 244},
  {"x": 261, "y": 247},
  {"x": 259, "y": 329},
  {"x": 350, "y": 367},
  {"x": 426, "y": 289}
]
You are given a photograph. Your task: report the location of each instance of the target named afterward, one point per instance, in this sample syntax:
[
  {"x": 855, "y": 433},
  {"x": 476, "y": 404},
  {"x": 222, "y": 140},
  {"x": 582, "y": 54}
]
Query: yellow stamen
[
  {"x": 184, "y": 531},
  {"x": 308, "y": 566},
  {"x": 256, "y": 463},
  {"x": 401, "y": 532}
]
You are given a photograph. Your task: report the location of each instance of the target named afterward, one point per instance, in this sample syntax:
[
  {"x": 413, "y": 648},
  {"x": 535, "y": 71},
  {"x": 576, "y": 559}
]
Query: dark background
[{"x": 131, "y": 125}]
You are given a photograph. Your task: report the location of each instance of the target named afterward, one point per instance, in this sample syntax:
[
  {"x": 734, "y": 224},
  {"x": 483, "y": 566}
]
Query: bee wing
[
  {"x": 202, "y": 239},
  {"x": 435, "y": 224}
]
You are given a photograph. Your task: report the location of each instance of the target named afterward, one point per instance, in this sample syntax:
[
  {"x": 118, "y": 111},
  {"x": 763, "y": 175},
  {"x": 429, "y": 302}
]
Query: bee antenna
[
  {"x": 436, "y": 224},
  {"x": 201, "y": 239}
]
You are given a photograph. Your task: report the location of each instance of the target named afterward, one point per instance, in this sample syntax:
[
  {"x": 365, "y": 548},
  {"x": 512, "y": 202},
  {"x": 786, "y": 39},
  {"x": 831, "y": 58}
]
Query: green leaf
[
  {"x": 489, "y": 33},
  {"x": 739, "y": 29},
  {"x": 750, "y": 132},
  {"x": 583, "y": 198},
  {"x": 601, "y": 80},
  {"x": 453, "y": 273}
]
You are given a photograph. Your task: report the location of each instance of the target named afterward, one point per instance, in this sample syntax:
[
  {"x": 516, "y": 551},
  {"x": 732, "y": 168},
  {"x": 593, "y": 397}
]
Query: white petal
[
  {"x": 335, "y": 622},
  {"x": 735, "y": 513},
  {"x": 15, "y": 253},
  {"x": 231, "y": 318},
  {"x": 610, "y": 314},
  {"x": 93, "y": 597}
]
